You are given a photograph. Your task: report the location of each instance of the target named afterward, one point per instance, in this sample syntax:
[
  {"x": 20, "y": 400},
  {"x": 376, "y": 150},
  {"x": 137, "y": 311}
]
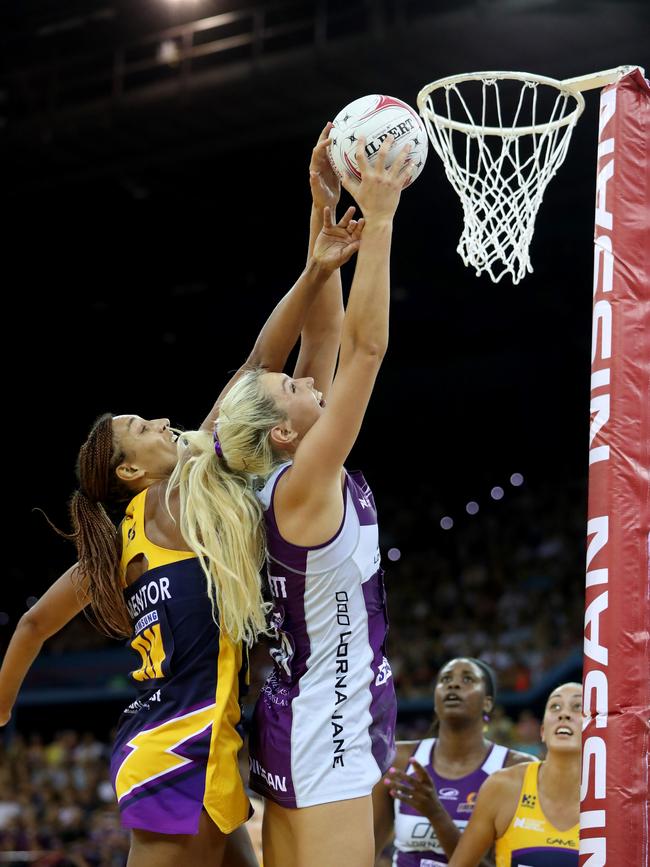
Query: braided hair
[{"x": 95, "y": 510}]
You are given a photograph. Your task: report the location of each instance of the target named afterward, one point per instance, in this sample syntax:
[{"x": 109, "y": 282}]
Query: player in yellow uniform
[{"x": 530, "y": 812}]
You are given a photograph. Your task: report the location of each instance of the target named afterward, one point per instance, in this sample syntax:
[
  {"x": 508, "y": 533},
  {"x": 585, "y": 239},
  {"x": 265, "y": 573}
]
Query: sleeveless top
[
  {"x": 530, "y": 840},
  {"x": 416, "y": 844},
  {"x": 324, "y": 724},
  {"x": 176, "y": 746}
]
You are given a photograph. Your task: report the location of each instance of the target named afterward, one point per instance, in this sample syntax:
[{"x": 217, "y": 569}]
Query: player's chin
[{"x": 567, "y": 745}]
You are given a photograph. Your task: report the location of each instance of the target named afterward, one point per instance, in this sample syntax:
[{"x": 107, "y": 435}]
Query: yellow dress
[
  {"x": 176, "y": 748},
  {"x": 530, "y": 840}
]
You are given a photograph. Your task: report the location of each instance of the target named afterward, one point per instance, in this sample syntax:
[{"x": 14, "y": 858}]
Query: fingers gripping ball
[{"x": 374, "y": 117}]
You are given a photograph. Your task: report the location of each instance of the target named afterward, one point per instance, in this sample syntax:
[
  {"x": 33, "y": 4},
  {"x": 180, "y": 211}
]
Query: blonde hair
[{"x": 221, "y": 517}]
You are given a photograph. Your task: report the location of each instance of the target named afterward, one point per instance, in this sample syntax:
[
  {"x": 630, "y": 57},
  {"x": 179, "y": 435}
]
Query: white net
[{"x": 501, "y": 136}]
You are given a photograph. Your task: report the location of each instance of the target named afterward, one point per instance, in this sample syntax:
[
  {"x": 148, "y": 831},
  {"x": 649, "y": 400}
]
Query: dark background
[{"x": 152, "y": 219}]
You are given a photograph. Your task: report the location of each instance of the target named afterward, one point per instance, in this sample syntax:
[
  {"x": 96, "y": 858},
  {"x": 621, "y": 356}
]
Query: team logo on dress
[
  {"x": 468, "y": 806},
  {"x": 529, "y": 801},
  {"x": 131, "y": 533},
  {"x": 384, "y": 672},
  {"x": 558, "y": 841},
  {"x": 529, "y": 824},
  {"x": 446, "y": 793}
]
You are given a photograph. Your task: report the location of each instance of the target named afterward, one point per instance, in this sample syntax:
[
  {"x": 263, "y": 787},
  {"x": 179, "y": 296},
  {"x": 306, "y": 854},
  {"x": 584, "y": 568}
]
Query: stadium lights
[{"x": 472, "y": 507}]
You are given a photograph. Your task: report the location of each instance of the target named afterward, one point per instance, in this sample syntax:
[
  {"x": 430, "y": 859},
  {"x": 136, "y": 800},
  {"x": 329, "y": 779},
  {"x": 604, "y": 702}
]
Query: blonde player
[{"x": 323, "y": 727}]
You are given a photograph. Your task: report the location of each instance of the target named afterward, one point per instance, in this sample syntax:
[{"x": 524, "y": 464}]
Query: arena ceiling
[{"x": 112, "y": 88}]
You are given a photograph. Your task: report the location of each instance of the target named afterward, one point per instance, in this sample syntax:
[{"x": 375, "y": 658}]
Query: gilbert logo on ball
[{"x": 376, "y": 117}]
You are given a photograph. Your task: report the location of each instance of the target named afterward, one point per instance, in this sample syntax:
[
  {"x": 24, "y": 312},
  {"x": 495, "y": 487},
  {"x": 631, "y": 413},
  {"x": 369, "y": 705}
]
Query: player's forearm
[
  {"x": 366, "y": 318},
  {"x": 315, "y": 225},
  {"x": 282, "y": 329},
  {"x": 448, "y": 833},
  {"x": 321, "y": 334},
  {"x": 24, "y": 647}
]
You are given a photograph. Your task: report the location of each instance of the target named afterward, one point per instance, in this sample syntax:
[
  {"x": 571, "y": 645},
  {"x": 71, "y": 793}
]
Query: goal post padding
[{"x": 616, "y": 733}]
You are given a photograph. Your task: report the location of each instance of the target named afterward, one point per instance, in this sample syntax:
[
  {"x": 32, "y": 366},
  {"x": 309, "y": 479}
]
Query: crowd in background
[
  {"x": 57, "y": 802},
  {"x": 505, "y": 585},
  {"x": 56, "y": 799}
]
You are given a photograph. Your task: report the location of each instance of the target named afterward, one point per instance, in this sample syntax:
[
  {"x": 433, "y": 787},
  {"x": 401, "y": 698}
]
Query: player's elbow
[
  {"x": 34, "y": 627},
  {"x": 371, "y": 350}
]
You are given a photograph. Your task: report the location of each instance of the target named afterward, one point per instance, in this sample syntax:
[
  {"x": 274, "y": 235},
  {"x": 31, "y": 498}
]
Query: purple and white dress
[
  {"x": 324, "y": 725},
  {"x": 416, "y": 844}
]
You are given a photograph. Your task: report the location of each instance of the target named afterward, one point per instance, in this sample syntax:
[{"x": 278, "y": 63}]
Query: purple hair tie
[{"x": 217, "y": 446}]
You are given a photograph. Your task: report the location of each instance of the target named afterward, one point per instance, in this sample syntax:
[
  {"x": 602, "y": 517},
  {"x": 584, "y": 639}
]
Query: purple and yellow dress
[{"x": 176, "y": 746}]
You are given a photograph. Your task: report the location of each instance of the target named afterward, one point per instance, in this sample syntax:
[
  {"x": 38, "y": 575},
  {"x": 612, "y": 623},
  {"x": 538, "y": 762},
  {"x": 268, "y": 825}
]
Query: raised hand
[
  {"x": 415, "y": 789},
  {"x": 379, "y": 190},
  {"x": 337, "y": 242},
  {"x": 323, "y": 180}
]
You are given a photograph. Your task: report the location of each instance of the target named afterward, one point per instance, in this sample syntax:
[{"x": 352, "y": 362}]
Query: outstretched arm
[
  {"x": 311, "y": 491},
  {"x": 293, "y": 314},
  {"x": 63, "y": 601},
  {"x": 321, "y": 334},
  {"x": 280, "y": 331}
]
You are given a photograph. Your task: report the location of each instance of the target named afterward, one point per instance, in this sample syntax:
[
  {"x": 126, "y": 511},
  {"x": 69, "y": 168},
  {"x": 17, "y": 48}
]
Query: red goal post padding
[{"x": 616, "y": 733}]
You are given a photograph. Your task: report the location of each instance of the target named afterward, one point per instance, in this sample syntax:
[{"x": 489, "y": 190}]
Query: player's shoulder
[
  {"x": 515, "y": 757},
  {"x": 404, "y": 751},
  {"x": 505, "y": 780}
]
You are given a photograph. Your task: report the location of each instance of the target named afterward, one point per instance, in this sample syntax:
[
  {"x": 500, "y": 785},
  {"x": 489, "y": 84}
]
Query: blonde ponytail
[{"x": 221, "y": 518}]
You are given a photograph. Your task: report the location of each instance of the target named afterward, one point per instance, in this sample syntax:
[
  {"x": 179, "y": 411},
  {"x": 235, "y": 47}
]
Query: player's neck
[
  {"x": 462, "y": 743},
  {"x": 560, "y": 773}
]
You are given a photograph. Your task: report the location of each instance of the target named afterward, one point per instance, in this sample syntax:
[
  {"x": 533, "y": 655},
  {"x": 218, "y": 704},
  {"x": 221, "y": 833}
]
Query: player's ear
[
  {"x": 282, "y": 435},
  {"x": 129, "y": 472}
]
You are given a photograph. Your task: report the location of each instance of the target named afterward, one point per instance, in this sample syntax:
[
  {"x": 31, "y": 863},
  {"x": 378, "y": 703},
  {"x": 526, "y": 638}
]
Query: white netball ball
[{"x": 376, "y": 117}]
